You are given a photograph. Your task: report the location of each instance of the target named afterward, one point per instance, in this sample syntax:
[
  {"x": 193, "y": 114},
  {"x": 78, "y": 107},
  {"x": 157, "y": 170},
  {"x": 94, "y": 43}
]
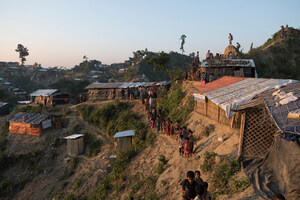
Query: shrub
[
  {"x": 5, "y": 127},
  {"x": 161, "y": 164},
  {"x": 209, "y": 161},
  {"x": 66, "y": 111}
]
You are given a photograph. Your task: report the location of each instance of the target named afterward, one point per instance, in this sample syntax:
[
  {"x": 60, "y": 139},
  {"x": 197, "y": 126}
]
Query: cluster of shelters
[
  {"x": 267, "y": 112},
  {"x": 103, "y": 91},
  {"x": 50, "y": 96}
]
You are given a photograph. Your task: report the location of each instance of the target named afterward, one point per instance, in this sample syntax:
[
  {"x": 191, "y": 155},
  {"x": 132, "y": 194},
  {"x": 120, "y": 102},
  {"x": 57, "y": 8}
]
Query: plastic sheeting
[
  {"x": 229, "y": 97},
  {"x": 279, "y": 172}
]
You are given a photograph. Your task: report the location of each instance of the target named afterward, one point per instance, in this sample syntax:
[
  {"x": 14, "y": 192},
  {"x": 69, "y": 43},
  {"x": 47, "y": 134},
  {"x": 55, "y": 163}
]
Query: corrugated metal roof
[
  {"x": 124, "y": 134},
  {"x": 44, "y": 92},
  {"x": 124, "y": 85},
  {"x": 29, "y": 118},
  {"x": 230, "y": 96},
  {"x": 103, "y": 85},
  {"x": 74, "y": 136},
  {"x": 279, "y": 112},
  {"x": 219, "y": 83},
  {"x": 2, "y": 104}
]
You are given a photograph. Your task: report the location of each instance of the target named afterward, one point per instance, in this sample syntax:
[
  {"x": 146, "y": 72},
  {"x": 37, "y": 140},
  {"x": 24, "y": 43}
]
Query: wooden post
[
  {"x": 218, "y": 113},
  {"x": 242, "y": 129},
  {"x": 206, "y": 102},
  {"x": 232, "y": 120}
]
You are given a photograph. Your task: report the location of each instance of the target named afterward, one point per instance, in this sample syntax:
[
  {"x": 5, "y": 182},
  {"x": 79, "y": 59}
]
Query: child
[
  {"x": 207, "y": 195},
  {"x": 158, "y": 124},
  {"x": 181, "y": 144},
  {"x": 188, "y": 186},
  {"x": 187, "y": 147},
  {"x": 197, "y": 177},
  {"x": 203, "y": 77},
  {"x": 153, "y": 121},
  {"x": 200, "y": 192}
]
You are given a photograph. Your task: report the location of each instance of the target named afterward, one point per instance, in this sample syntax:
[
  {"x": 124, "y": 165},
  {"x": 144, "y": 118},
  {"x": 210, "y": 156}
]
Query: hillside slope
[{"x": 278, "y": 58}]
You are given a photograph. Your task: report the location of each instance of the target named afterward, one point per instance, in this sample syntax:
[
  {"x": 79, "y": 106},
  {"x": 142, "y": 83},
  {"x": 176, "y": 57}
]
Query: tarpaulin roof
[
  {"x": 44, "y": 92},
  {"x": 2, "y": 104},
  {"x": 124, "y": 134},
  {"x": 29, "y": 118},
  {"x": 74, "y": 136},
  {"x": 219, "y": 83},
  {"x": 230, "y": 96},
  {"x": 280, "y": 112}
]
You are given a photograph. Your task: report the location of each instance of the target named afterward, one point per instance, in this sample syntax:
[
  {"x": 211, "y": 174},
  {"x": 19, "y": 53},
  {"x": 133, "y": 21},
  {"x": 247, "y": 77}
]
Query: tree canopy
[
  {"x": 160, "y": 61},
  {"x": 23, "y": 51}
]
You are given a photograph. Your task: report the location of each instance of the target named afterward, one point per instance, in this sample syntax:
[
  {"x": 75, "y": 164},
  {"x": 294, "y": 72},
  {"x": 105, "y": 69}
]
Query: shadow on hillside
[{"x": 203, "y": 145}]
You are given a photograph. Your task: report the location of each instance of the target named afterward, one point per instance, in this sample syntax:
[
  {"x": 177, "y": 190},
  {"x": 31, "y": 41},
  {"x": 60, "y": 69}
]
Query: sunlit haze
[{"x": 60, "y": 33}]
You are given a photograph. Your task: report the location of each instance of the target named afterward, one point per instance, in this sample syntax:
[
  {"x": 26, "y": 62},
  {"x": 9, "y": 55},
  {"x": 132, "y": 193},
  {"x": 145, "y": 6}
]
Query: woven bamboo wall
[
  {"x": 258, "y": 136},
  {"x": 23, "y": 128},
  {"x": 200, "y": 107}
]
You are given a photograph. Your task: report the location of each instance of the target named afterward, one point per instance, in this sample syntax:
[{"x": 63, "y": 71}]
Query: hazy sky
[{"x": 60, "y": 32}]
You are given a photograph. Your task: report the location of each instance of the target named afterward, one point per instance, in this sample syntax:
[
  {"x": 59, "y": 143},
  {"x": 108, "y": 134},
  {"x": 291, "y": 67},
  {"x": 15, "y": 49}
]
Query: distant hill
[
  {"x": 140, "y": 67},
  {"x": 278, "y": 58}
]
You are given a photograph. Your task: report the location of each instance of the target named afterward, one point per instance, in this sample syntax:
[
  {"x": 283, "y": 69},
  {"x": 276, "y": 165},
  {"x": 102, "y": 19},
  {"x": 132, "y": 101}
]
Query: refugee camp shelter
[
  {"x": 102, "y": 91},
  {"x": 75, "y": 145},
  {"x": 51, "y": 95},
  {"x": 269, "y": 141},
  {"x": 228, "y": 67},
  {"x": 29, "y": 123},
  {"x": 5, "y": 108},
  {"x": 124, "y": 140},
  {"x": 218, "y": 102}
]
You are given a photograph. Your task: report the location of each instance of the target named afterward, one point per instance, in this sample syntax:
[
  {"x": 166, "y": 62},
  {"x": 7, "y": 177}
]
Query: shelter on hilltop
[
  {"x": 29, "y": 123},
  {"x": 75, "y": 144},
  {"x": 269, "y": 141},
  {"x": 103, "y": 91},
  {"x": 124, "y": 140},
  {"x": 51, "y": 96},
  {"x": 219, "y": 98}
]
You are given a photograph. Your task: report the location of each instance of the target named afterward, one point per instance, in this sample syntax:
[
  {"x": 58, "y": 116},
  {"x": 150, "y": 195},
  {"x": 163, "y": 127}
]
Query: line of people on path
[{"x": 138, "y": 93}]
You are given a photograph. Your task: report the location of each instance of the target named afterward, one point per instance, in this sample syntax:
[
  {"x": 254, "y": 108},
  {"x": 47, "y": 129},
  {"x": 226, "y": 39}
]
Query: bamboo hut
[
  {"x": 124, "y": 140},
  {"x": 269, "y": 141},
  {"x": 51, "y": 96},
  {"x": 29, "y": 123},
  {"x": 228, "y": 67},
  {"x": 75, "y": 145},
  {"x": 219, "y": 98},
  {"x": 102, "y": 91}
]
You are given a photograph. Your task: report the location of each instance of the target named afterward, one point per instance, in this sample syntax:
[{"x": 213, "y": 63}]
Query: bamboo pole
[{"x": 242, "y": 129}]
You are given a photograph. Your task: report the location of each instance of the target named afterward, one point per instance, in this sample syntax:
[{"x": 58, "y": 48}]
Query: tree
[
  {"x": 85, "y": 58},
  {"x": 159, "y": 61},
  {"x": 182, "y": 38},
  {"x": 23, "y": 51}
]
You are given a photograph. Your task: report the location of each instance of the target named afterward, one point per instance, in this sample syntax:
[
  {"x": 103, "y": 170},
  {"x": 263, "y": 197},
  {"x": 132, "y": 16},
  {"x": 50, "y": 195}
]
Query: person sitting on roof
[{"x": 238, "y": 46}]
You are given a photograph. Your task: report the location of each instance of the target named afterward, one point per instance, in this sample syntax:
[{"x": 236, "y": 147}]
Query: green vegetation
[
  {"x": 106, "y": 182},
  {"x": 161, "y": 164},
  {"x": 222, "y": 176},
  {"x": 144, "y": 189},
  {"x": 71, "y": 86},
  {"x": 29, "y": 161},
  {"x": 207, "y": 130},
  {"x": 66, "y": 111},
  {"x": 278, "y": 58},
  {"x": 29, "y": 109},
  {"x": 169, "y": 103},
  {"x": 115, "y": 117},
  {"x": 93, "y": 144},
  {"x": 71, "y": 168}
]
